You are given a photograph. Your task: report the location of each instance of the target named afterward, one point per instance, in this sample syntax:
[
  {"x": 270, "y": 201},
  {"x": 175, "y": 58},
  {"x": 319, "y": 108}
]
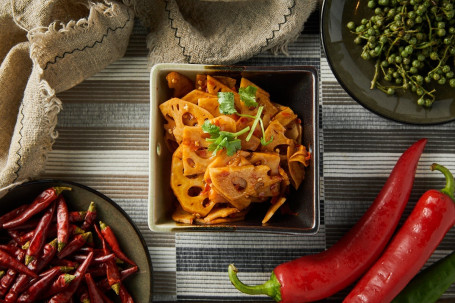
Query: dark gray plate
[
  {"x": 293, "y": 86},
  {"x": 355, "y": 74},
  {"x": 128, "y": 235}
]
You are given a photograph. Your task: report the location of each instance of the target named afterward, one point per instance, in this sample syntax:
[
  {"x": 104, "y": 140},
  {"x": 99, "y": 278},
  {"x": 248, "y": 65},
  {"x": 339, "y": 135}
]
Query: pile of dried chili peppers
[
  {"x": 52, "y": 257},
  {"x": 381, "y": 268}
]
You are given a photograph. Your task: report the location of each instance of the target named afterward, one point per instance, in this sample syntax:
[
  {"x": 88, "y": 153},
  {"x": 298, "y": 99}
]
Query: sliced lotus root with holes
[
  {"x": 194, "y": 95},
  {"x": 272, "y": 160},
  {"x": 201, "y": 82},
  {"x": 181, "y": 216},
  {"x": 211, "y": 105},
  {"x": 297, "y": 162},
  {"x": 222, "y": 159},
  {"x": 294, "y": 131},
  {"x": 244, "y": 82},
  {"x": 182, "y": 113},
  {"x": 170, "y": 142},
  {"x": 239, "y": 183},
  {"x": 262, "y": 98},
  {"x": 280, "y": 142},
  {"x": 254, "y": 142},
  {"x": 189, "y": 189},
  {"x": 285, "y": 116},
  {"x": 285, "y": 183},
  {"x": 179, "y": 83},
  {"x": 228, "y": 81},
  {"x": 273, "y": 208},
  {"x": 214, "y": 86},
  {"x": 195, "y": 154},
  {"x": 220, "y": 212}
]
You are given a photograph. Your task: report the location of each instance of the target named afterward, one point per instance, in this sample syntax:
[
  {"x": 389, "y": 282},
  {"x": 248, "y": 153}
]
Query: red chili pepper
[
  {"x": 40, "y": 285},
  {"x": 58, "y": 285},
  {"x": 12, "y": 214},
  {"x": 39, "y": 236},
  {"x": 10, "y": 262},
  {"x": 16, "y": 236},
  {"x": 40, "y": 203},
  {"x": 90, "y": 217},
  {"x": 22, "y": 281},
  {"x": 125, "y": 296},
  {"x": 63, "y": 223},
  {"x": 66, "y": 262},
  {"x": 432, "y": 217},
  {"x": 98, "y": 270},
  {"x": 318, "y": 276},
  {"x": 94, "y": 292},
  {"x": 97, "y": 260},
  {"x": 112, "y": 271},
  {"x": 104, "y": 284},
  {"x": 84, "y": 297},
  {"x": 10, "y": 249},
  {"x": 8, "y": 279},
  {"x": 110, "y": 238},
  {"x": 77, "y": 242},
  {"x": 77, "y": 216},
  {"x": 68, "y": 292}
]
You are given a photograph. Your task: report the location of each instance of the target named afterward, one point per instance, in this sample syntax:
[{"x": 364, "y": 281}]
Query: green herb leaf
[
  {"x": 211, "y": 129},
  {"x": 233, "y": 146},
  {"x": 226, "y": 101},
  {"x": 226, "y": 140},
  {"x": 248, "y": 95}
]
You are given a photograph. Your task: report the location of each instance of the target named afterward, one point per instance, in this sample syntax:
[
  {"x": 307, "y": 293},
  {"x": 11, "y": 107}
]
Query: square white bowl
[{"x": 294, "y": 86}]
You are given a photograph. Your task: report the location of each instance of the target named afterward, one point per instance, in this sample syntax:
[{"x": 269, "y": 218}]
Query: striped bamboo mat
[{"x": 103, "y": 143}]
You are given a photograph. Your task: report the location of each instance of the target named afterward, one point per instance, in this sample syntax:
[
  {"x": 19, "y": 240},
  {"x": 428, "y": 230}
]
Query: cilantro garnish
[
  {"x": 248, "y": 95},
  {"x": 226, "y": 101},
  {"x": 210, "y": 128},
  {"x": 227, "y": 140},
  {"x": 222, "y": 139}
]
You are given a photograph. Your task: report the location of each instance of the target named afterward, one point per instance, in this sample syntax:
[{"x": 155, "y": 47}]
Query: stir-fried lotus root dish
[{"x": 232, "y": 147}]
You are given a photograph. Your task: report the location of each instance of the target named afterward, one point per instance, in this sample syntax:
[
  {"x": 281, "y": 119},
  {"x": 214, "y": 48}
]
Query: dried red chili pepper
[
  {"x": 77, "y": 242},
  {"x": 40, "y": 285},
  {"x": 104, "y": 284},
  {"x": 112, "y": 271},
  {"x": 36, "y": 265},
  {"x": 90, "y": 217},
  {"x": 63, "y": 223},
  {"x": 93, "y": 291},
  {"x": 83, "y": 295},
  {"x": 318, "y": 276},
  {"x": 58, "y": 285},
  {"x": 432, "y": 217},
  {"x": 11, "y": 273},
  {"x": 68, "y": 292},
  {"x": 40, "y": 203},
  {"x": 110, "y": 238},
  {"x": 66, "y": 262},
  {"x": 39, "y": 236},
  {"x": 10, "y": 262},
  {"x": 125, "y": 296},
  {"x": 12, "y": 214},
  {"x": 97, "y": 260},
  {"x": 16, "y": 236},
  {"x": 77, "y": 216}
]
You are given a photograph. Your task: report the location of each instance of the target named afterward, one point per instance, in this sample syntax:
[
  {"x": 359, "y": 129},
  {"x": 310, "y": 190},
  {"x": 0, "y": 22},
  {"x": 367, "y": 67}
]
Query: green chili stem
[
  {"x": 270, "y": 288},
  {"x": 450, "y": 184},
  {"x": 60, "y": 189}
]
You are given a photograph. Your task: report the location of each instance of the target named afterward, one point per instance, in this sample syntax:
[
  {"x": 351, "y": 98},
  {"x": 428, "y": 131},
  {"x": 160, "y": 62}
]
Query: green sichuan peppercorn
[{"x": 412, "y": 43}]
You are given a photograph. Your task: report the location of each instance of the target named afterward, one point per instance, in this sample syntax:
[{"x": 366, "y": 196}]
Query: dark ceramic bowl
[
  {"x": 293, "y": 86},
  {"x": 79, "y": 198},
  {"x": 355, "y": 74}
]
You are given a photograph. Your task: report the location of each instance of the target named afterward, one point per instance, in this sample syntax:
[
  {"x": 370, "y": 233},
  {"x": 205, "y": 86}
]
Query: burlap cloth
[{"x": 49, "y": 46}]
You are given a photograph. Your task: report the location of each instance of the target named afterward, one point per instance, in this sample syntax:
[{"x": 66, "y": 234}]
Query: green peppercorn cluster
[{"x": 412, "y": 43}]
